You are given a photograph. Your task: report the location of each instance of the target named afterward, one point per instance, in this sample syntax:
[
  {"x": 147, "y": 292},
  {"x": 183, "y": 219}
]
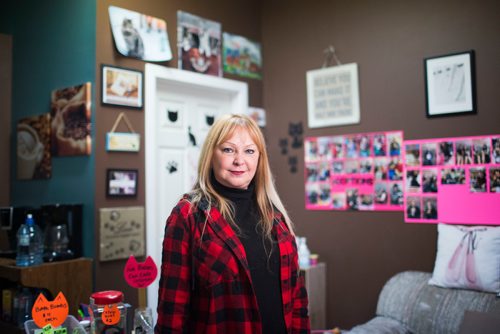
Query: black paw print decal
[
  {"x": 171, "y": 167},
  {"x": 295, "y": 132},
  {"x": 284, "y": 146}
]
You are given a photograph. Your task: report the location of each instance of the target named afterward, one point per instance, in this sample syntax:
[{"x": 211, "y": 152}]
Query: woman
[
  {"x": 430, "y": 211},
  {"x": 230, "y": 261}
]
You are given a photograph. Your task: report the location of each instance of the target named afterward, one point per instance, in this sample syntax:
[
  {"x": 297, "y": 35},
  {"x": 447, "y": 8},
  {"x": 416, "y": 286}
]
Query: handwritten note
[
  {"x": 46, "y": 312},
  {"x": 111, "y": 314},
  {"x": 140, "y": 275}
]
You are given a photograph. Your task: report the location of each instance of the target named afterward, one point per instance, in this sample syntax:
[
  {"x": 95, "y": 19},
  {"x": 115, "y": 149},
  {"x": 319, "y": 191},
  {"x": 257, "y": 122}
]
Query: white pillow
[{"x": 468, "y": 257}]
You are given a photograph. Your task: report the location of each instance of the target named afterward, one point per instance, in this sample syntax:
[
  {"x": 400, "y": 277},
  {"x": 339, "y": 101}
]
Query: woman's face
[{"x": 235, "y": 160}]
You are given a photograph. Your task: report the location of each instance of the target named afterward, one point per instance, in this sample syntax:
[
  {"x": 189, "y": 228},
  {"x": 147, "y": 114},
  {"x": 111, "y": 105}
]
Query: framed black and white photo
[
  {"x": 121, "y": 182},
  {"x": 122, "y": 87},
  {"x": 450, "y": 84}
]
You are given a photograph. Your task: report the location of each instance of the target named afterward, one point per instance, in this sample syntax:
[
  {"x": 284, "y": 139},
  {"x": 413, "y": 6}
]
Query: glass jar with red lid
[{"x": 108, "y": 313}]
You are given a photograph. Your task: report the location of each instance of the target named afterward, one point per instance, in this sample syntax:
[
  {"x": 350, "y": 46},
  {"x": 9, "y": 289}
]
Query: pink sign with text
[
  {"x": 140, "y": 274},
  {"x": 453, "y": 180},
  {"x": 361, "y": 171}
]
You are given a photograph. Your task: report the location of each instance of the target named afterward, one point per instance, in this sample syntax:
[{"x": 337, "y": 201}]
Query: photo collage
[
  {"x": 452, "y": 180},
  {"x": 355, "y": 172}
]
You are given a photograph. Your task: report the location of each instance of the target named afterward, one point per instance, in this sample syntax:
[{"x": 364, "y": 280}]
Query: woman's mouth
[{"x": 236, "y": 172}]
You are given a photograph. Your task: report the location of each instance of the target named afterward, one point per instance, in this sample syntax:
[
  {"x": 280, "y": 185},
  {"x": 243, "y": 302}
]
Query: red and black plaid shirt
[{"x": 205, "y": 284}]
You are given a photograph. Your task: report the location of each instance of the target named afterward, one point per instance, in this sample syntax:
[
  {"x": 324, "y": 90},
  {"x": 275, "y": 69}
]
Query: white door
[{"x": 180, "y": 108}]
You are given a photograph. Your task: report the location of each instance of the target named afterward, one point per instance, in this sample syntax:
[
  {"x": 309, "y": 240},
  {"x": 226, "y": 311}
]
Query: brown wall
[
  {"x": 388, "y": 40},
  {"x": 5, "y": 116},
  {"x": 238, "y": 17}
]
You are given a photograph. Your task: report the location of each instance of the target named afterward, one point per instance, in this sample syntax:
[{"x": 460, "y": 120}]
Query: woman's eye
[
  {"x": 250, "y": 151},
  {"x": 227, "y": 150}
]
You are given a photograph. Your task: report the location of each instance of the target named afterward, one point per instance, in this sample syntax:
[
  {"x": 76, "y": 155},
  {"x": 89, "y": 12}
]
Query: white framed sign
[{"x": 333, "y": 96}]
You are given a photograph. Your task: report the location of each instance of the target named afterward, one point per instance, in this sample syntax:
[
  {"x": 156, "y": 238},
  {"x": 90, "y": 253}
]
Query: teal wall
[{"x": 54, "y": 46}]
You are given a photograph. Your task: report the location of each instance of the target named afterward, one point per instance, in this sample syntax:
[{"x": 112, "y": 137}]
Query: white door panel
[{"x": 180, "y": 108}]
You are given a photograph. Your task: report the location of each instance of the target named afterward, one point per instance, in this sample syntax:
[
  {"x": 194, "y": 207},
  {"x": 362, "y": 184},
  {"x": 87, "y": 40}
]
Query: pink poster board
[
  {"x": 453, "y": 180},
  {"x": 361, "y": 171}
]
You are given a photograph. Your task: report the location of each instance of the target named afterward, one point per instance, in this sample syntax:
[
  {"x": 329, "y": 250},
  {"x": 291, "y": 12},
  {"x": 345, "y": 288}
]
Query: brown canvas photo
[
  {"x": 33, "y": 148},
  {"x": 71, "y": 121}
]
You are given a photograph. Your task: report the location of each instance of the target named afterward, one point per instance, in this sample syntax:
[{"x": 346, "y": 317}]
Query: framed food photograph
[
  {"x": 122, "y": 87},
  {"x": 121, "y": 182},
  {"x": 450, "y": 84}
]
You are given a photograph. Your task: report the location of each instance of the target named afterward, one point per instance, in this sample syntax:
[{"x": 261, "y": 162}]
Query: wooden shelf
[{"x": 72, "y": 277}]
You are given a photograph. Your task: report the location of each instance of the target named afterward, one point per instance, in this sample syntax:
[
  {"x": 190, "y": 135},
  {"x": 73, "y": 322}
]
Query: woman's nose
[{"x": 237, "y": 160}]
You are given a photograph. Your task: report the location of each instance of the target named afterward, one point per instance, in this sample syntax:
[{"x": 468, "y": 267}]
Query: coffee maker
[{"x": 57, "y": 219}]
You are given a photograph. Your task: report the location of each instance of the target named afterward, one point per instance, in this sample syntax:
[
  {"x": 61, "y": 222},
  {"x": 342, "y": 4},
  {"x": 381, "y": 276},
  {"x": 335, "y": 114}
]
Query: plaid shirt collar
[{"x": 225, "y": 232}]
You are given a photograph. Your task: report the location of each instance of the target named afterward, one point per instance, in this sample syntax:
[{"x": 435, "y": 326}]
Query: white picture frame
[
  {"x": 450, "y": 85},
  {"x": 333, "y": 96}
]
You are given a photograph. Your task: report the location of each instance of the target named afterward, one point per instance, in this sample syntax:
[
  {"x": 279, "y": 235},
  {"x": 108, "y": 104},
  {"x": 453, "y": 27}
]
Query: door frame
[{"x": 156, "y": 76}]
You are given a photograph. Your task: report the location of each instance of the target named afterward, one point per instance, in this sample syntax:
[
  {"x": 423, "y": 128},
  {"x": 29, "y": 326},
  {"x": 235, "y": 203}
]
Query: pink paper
[
  {"x": 355, "y": 172},
  {"x": 466, "y": 189},
  {"x": 140, "y": 274}
]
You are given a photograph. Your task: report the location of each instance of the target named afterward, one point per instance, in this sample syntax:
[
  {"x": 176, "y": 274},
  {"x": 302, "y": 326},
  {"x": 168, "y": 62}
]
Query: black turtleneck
[{"x": 264, "y": 269}]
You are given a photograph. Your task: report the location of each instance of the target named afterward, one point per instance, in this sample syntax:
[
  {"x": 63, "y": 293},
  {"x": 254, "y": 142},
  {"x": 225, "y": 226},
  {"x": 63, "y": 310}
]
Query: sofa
[{"x": 408, "y": 304}]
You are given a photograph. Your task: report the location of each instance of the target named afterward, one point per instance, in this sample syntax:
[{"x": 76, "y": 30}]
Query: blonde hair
[{"x": 266, "y": 195}]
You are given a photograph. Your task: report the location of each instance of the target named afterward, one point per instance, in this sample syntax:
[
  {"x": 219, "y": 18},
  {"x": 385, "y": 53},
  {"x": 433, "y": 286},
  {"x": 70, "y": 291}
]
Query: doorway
[{"x": 179, "y": 110}]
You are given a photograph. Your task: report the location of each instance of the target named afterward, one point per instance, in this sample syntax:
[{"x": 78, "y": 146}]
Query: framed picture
[
  {"x": 450, "y": 84},
  {"x": 71, "y": 113},
  {"x": 199, "y": 44},
  {"x": 139, "y": 35},
  {"x": 333, "y": 96},
  {"x": 121, "y": 182},
  {"x": 241, "y": 56},
  {"x": 122, "y": 87}
]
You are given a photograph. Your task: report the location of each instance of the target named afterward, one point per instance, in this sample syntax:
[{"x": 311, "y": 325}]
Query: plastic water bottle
[
  {"x": 303, "y": 253},
  {"x": 29, "y": 244}
]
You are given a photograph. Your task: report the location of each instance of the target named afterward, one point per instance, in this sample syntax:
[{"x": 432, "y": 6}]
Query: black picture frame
[
  {"x": 123, "y": 87},
  {"x": 450, "y": 87},
  {"x": 121, "y": 182}
]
